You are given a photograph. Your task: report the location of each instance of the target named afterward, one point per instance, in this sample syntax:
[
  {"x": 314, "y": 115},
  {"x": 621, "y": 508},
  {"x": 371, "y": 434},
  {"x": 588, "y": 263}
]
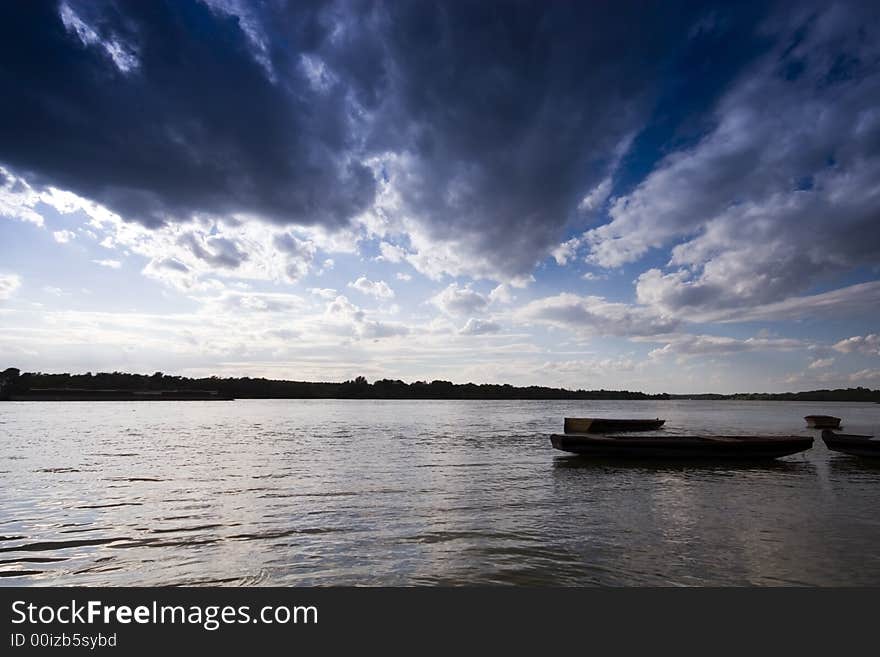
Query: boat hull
[
  {"x": 822, "y": 421},
  {"x": 851, "y": 444},
  {"x": 608, "y": 425},
  {"x": 682, "y": 447}
]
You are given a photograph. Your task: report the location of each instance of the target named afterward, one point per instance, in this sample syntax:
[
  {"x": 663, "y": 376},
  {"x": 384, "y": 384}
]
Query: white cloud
[
  {"x": 597, "y": 196},
  {"x": 378, "y": 289},
  {"x": 63, "y": 236},
  {"x": 402, "y": 276},
  {"x": 342, "y": 307},
  {"x": 18, "y": 200},
  {"x": 476, "y": 326},
  {"x": 687, "y": 345},
  {"x": 455, "y": 300},
  {"x": 324, "y": 293},
  {"x": 175, "y": 273},
  {"x": 392, "y": 252},
  {"x": 9, "y": 283},
  {"x": 298, "y": 254},
  {"x": 675, "y": 293},
  {"x": 566, "y": 251},
  {"x": 588, "y": 369},
  {"x": 593, "y": 314},
  {"x": 521, "y": 282},
  {"x": 112, "y": 264},
  {"x": 814, "y": 379},
  {"x": 345, "y": 316},
  {"x": 436, "y": 259},
  {"x": 316, "y": 70},
  {"x": 821, "y": 363},
  {"x": 860, "y": 299},
  {"x": 191, "y": 256},
  {"x": 862, "y": 344},
  {"x": 501, "y": 294},
  {"x": 231, "y": 302},
  {"x": 123, "y": 56},
  {"x": 374, "y": 330},
  {"x": 865, "y": 376}
]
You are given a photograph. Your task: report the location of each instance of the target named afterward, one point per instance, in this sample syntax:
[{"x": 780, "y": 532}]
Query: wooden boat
[
  {"x": 822, "y": 421},
  {"x": 682, "y": 447},
  {"x": 852, "y": 444},
  {"x": 607, "y": 425}
]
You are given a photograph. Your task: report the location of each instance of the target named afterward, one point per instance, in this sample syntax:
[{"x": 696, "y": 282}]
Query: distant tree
[{"x": 12, "y": 381}]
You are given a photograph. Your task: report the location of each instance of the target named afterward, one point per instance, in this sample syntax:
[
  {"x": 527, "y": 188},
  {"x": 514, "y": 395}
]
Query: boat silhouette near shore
[
  {"x": 822, "y": 421},
  {"x": 852, "y": 444},
  {"x": 608, "y": 425},
  {"x": 682, "y": 447}
]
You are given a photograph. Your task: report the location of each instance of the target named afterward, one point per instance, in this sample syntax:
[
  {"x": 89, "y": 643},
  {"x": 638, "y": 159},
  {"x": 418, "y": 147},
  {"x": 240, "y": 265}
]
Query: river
[{"x": 353, "y": 492}]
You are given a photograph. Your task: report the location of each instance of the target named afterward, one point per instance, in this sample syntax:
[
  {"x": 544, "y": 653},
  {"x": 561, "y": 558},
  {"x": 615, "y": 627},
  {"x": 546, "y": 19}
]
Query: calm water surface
[{"x": 303, "y": 492}]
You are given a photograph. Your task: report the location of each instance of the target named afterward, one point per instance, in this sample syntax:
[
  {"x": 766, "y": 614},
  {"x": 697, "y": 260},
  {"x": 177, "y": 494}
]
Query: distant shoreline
[{"x": 118, "y": 386}]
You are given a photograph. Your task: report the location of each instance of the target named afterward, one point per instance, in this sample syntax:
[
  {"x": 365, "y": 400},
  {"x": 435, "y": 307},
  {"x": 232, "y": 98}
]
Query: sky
[{"x": 677, "y": 196}]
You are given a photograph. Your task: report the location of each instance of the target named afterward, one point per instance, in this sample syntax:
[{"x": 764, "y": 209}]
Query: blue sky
[{"x": 677, "y": 198}]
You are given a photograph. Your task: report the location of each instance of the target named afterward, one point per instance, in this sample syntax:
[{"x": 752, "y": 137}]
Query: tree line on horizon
[
  {"x": 357, "y": 388},
  {"x": 12, "y": 381}
]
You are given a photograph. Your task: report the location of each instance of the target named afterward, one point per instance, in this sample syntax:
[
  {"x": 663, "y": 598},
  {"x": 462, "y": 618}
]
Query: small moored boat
[
  {"x": 852, "y": 444},
  {"x": 682, "y": 447},
  {"x": 607, "y": 425},
  {"x": 822, "y": 421}
]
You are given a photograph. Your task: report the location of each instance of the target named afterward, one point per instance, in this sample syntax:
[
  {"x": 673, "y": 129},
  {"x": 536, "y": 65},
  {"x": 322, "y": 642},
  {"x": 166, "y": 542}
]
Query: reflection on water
[{"x": 408, "y": 493}]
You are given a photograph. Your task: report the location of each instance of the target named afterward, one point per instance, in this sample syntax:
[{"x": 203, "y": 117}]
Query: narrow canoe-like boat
[
  {"x": 682, "y": 447},
  {"x": 847, "y": 443},
  {"x": 822, "y": 421},
  {"x": 607, "y": 425}
]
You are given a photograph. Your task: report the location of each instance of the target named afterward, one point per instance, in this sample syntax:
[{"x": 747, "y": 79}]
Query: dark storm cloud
[
  {"x": 503, "y": 115},
  {"x": 512, "y": 112},
  {"x": 193, "y": 126}
]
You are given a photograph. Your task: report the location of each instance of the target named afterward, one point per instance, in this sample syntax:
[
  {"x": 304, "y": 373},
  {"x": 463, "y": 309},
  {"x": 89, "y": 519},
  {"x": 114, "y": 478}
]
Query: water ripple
[{"x": 347, "y": 492}]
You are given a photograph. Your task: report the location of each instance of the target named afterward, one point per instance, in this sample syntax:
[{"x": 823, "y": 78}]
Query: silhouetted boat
[
  {"x": 855, "y": 445},
  {"x": 682, "y": 447},
  {"x": 822, "y": 421},
  {"x": 607, "y": 425}
]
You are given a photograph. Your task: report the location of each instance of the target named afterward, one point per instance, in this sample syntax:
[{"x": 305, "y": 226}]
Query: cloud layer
[
  {"x": 188, "y": 127},
  {"x": 448, "y": 189},
  {"x": 481, "y": 128},
  {"x": 782, "y": 193}
]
